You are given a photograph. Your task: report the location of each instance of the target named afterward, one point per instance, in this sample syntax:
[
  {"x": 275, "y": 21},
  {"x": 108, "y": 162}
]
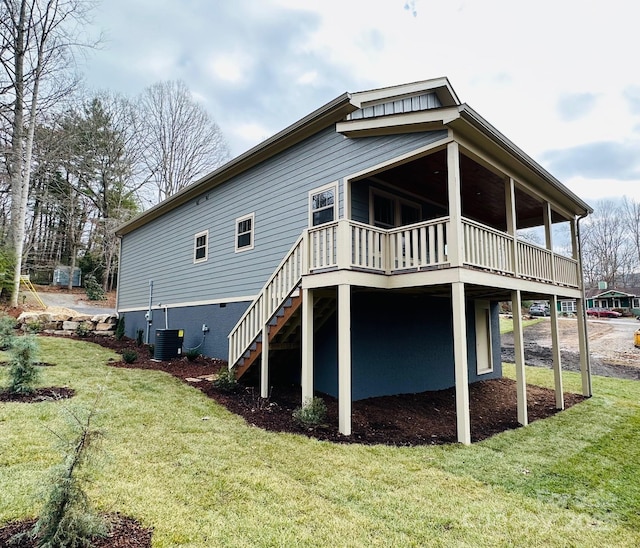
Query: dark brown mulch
[
  {"x": 407, "y": 419},
  {"x": 124, "y": 532},
  {"x": 50, "y": 393}
]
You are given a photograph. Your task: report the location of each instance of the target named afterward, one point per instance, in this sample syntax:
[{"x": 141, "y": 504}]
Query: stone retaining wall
[{"x": 68, "y": 324}]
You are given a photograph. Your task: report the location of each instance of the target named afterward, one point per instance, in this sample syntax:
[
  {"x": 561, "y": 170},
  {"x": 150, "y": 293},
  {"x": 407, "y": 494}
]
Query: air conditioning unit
[{"x": 168, "y": 344}]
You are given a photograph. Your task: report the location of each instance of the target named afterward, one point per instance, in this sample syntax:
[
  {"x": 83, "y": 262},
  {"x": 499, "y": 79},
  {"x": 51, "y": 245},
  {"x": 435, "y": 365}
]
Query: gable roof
[
  {"x": 610, "y": 293},
  {"x": 418, "y": 106}
]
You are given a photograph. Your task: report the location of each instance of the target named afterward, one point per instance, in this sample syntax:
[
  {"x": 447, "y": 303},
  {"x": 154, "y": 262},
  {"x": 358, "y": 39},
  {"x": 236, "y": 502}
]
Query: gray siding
[
  {"x": 400, "y": 344},
  {"x": 276, "y": 191},
  {"x": 219, "y": 318}
]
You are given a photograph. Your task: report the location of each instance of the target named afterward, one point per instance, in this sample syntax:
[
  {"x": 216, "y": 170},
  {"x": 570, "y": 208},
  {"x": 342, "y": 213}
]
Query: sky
[{"x": 559, "y": 78}]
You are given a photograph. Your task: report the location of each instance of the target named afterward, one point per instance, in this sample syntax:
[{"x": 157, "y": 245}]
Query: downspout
[{"x": 584, "y": 298}]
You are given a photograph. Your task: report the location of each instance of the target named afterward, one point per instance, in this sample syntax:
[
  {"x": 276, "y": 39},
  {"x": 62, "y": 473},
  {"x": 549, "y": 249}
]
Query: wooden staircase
[{"x": 284, "y": 332}]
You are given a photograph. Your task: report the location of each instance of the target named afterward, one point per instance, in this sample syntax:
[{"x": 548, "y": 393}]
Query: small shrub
[
  {"x": 23, "y": 373},
  {"x": 226, "y": 380},
  {"x": 152, "y": 349},
  {"x": 7, "y": 331},
  {"x": 129, "y": 356},
  {"x": 93, "y": 289},
  {"x": 192, "y": 354},
  {"x": 33, "y": 326},
  {"x": 139, "y": 337},
  {"x": 67, "y": 519},
  {"x": 312, "y": 413},
  {"x": 83, "y": 329},
  {"x": 120, "y": 328}
]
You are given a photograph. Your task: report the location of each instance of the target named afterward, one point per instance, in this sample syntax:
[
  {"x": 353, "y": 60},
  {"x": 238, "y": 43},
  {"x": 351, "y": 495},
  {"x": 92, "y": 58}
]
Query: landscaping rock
[{"x": 70, "y": 326}]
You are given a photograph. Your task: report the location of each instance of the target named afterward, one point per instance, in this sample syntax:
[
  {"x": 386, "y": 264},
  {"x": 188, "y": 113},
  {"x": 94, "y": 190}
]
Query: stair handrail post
[{"x": 306, "y": 252}]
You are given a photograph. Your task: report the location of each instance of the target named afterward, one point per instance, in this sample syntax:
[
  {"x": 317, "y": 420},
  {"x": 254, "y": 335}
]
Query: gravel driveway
[
  {"x": 75, "y": 301},
  {"x": 610, "y": 345}
]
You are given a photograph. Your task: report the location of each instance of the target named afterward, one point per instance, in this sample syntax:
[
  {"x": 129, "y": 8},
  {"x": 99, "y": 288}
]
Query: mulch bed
[
  {"x": 407, "y": 419},
  {"x": 51, "y": 393},
  {"x": 124, "y": 533}
]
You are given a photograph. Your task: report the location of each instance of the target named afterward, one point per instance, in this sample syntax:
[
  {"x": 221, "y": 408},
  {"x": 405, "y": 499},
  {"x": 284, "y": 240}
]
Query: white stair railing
[{"x": 271, "y": 298}]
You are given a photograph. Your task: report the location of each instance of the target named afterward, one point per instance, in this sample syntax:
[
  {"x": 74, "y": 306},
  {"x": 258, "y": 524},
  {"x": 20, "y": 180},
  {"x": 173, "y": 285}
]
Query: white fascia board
[{"x": 423, "y": 120}]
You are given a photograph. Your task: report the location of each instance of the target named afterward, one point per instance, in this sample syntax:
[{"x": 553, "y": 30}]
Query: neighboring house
[
  {"x": 627, "y": 301},
  {"x": 361, "y": 251}
]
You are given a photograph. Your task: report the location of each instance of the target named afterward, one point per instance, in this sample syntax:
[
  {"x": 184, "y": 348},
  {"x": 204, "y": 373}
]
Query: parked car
[
  {"x": 602, "y": 312},
  {"x": 539, "y": 310}
]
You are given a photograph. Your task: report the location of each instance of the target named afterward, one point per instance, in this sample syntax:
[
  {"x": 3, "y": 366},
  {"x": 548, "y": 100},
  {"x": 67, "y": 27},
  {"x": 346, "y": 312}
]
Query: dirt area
[{"x": 610, "y": 346}]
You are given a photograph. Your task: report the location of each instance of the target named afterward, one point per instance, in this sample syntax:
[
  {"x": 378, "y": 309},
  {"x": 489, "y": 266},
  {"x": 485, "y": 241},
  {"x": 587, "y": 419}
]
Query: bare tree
[
  {"x": 182, "y": 142},
  {"x": 37, "y": 39},
  {"x": 606, "y": 251}
]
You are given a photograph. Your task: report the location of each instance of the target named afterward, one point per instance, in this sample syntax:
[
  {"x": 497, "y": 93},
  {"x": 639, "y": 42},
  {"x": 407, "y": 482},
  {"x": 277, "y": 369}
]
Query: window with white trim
[
  {"x": 322, "y": 205},
  {"x": 636, "y": 303},
  {"x": 568, "y": 306},
  {"x": 244, "y": 232},
  {"x": 390, "y": 211},
  {"x": 201, "y": 247}
]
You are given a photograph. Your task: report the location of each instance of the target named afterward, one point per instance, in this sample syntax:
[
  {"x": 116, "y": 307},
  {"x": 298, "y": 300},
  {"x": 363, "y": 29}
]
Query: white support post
[
  {"x": 264, "y": 362},
  {"x": 512, "y": 221},
  {"x": 343, "y": 244},
  {"x": 555, "y": 344},
  {"x": 307, "y": 345},
  {"x": 585, "y": 366},
  {"x": 461, "y": 367},
  {"x": 455, "y": 241},
  {"x": 548, "y": 236},
  {"x": 518, "y": 343},
  {"x": 344, "y": 359}
]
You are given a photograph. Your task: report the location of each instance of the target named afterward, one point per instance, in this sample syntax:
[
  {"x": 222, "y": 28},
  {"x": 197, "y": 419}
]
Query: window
[
  {"x": 568, "y": 306},
  {"x": 389, "y": 211},
  {"x": 244, "y": 233},
  {"x": 636, "y": 303},
  {"x": 200, "y": 247},
  {"x": 322, "y": 205}
]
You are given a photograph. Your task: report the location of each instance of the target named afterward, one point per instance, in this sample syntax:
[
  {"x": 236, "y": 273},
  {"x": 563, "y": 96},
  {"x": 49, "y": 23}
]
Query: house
[
  {"x": 362, "y": 251},
  {"x": 627, "y": 301}
]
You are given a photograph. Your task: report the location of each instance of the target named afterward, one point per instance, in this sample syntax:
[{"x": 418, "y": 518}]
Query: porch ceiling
[{"x": 482, "y": 190}]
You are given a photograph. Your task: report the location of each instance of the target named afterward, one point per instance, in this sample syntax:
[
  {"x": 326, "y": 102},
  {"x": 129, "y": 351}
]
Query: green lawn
[
  {"x": 506, "y": 325},
  {"x": 200, "y": 476}
]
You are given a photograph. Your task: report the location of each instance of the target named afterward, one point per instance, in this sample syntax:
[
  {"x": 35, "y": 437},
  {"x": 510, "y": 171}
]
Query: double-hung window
[
  {"x": 201, "y": 247},
  {"x": 244, "y": 232},
  {"x": 322, "y": 205}
]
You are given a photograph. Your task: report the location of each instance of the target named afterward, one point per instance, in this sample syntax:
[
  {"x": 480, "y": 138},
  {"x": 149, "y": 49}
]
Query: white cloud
[{"x": 229, "y": 67}]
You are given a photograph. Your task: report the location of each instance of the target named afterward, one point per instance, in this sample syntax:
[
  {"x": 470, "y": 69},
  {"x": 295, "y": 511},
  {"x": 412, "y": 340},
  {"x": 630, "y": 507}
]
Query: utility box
[
  {"x": 168, "y": 344},
  {"x": 61, "y": 276}
]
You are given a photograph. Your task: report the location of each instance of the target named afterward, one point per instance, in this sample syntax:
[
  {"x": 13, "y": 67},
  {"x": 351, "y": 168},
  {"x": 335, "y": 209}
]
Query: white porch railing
[
  {"x": 535, "y": 262},
  {"x": 486, "y": 247},
  {"x": 352, "y": 245}
]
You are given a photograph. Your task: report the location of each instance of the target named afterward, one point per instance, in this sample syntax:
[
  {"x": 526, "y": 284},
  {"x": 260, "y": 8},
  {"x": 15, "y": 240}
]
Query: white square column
[
  {"x": 344, "y": 359},
  {"x": 306, "y": 379},
  {"x": 555, "y": 347},
  {"x": 518, "y": 343},
  {"x": 458, "y": 307}
]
